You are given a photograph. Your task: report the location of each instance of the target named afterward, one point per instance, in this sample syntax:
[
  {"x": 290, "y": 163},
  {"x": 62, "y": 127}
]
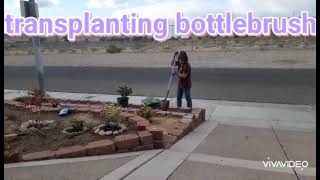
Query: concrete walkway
[{"x": 232, "y": 143}]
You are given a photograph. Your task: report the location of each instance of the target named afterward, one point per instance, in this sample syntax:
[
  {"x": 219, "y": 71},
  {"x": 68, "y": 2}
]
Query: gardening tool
[{"x": 165, "y": 103}]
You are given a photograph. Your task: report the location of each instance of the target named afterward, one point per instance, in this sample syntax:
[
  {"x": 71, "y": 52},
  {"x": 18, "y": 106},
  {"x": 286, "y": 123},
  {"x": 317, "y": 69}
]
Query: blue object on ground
[{"x": 64, "y": 112}]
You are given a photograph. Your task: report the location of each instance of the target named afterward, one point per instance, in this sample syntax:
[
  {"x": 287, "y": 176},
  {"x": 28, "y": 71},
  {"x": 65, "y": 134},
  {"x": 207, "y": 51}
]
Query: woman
[{"x": 184, "y": 79}]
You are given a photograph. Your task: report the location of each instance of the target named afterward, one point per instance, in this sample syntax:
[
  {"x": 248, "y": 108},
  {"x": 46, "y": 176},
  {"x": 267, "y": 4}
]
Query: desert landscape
[{"x": 224, "y": 52}]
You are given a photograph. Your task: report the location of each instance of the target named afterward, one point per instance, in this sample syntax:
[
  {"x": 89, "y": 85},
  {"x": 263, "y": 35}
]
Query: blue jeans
[{"x": 187, "y": 94}]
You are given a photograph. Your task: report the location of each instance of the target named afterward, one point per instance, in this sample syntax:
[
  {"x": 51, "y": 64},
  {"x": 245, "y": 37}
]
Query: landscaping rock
[
  {"x": 100, "y": 147},
  {"x": 101, "y": 132},
  {"x": 123, "y": 127},
  {"x": 145, "y": 137},
  {"x": 97, "y": 131},
  {"x": 71, "y": 152},
  {"x": 36, "y": 156},
  {"x": 126, "y": 141},
  {"x": 115, "y": 132},
  {"x": 108, "y": 133}
]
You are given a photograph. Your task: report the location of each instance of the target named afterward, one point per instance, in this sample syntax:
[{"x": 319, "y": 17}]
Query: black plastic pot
[{"x": 123, "y": 101}]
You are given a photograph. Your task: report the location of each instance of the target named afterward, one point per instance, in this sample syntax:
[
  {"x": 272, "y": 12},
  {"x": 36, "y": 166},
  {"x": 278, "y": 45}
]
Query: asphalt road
[{"x": 288, "y": 86}]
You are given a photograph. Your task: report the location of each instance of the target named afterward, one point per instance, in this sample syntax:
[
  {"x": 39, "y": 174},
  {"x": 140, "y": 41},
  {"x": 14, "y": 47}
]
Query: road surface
[{"x": 287, "y": 86}]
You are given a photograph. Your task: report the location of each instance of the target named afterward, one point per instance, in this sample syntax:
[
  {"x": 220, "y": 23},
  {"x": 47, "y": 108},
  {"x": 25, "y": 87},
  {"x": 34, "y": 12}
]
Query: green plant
[
  {"x": 145, "y": 112},
  {"x": 124, "y": 91},
  {"x": 94, "y": 49},
  {"x": 77, "y": 126},
  {"x": 111, "y": 113},
  {"x": 113, "y": 49}
]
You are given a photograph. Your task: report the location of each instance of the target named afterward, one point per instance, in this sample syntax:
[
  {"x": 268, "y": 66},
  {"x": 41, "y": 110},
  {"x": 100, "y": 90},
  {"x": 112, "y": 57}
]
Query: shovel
[{"x": 165, "y": 102}]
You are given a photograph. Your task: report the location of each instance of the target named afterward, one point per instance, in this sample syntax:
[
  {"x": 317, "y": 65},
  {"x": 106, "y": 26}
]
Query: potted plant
[{"x": 124, "y": 91}]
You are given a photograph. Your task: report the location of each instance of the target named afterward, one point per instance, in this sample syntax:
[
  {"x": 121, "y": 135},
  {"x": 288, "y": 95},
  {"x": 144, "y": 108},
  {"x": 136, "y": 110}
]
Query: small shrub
[
  {"x": 36, "y": 97},
  {"x": 62, "y": 50},
  {"x": 113, "y": 49},
  {"x": 73, "y": 51},
  {"x": 124, "y": 91},
  {"x": 111, "y": 113},
  {"x": 280, "y": 45},
  {"x": 94, "y": 49},
  {"x": 78, "y": 126},
  {"x": 146, "y": 112}
]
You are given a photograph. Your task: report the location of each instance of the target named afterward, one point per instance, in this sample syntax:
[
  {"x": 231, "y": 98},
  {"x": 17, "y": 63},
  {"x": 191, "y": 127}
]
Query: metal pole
[{"x": 30, "y": 9}]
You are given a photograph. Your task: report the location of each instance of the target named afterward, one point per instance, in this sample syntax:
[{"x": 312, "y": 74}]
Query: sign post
[{"x": 30, "y": 9}]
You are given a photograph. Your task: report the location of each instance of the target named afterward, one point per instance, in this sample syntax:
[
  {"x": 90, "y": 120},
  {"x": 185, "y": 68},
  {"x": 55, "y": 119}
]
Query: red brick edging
[{"x": 148, "y": 136}]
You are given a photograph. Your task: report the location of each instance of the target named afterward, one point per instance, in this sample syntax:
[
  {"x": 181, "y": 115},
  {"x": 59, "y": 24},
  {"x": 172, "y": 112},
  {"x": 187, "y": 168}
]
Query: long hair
[{"x": 183, "y": 56}]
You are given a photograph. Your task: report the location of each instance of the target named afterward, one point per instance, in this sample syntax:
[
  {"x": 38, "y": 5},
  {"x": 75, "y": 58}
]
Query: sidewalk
[{"x": 231, "y": 144}]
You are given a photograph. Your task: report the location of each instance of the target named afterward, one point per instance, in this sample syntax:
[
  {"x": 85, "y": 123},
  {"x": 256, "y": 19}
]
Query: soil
[
  {"x": 164, "y": 121},
  {"x": 53, "y": 139}
]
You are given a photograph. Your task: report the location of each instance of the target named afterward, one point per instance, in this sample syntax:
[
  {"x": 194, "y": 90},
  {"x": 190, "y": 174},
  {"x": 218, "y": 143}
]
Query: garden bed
[{"x": 160, "y": 131}]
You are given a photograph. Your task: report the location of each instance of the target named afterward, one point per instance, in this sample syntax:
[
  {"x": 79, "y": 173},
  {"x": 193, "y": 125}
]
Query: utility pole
[
  {"x": 30, "y": 9},
  {"x": 172, "y": 29}
]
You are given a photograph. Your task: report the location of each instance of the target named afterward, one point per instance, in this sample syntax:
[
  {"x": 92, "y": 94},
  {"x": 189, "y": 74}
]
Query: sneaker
[
  {"x": 178, "y": 107},
  {"x": 189, "y": 108}
]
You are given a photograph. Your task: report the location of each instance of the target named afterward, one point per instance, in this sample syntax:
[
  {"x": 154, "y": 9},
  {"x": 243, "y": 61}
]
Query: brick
[
  {"x": 157, "y": 133},
  {"x": 184, "y": 110},
  {"x": 145, "y": 137},
  {"x": 178, "y": 114},
  {"x": 125, "y": 116},
  {"x": 135, "y": 119},
  {"x": 122, "y": 150},
  {"x": 158, "y": 144},
  {"x": 13, "y": 103},
  {"x": 142, "y": 125},
  {"x": 70, "y": 152},
  {"x": 148, "y": 147},
  {"x": 95, "y": 110},
  {"x": 83, "y": 109},
  {"x": 203, "y": 113},
  {"x": 182, "y": 126},
  {"x": 50, "y": 109},
  {"x": 169, "y": 139},
  {"x": 36, "y": 156},
  {"x": 138, "y": 148},
  {"x": 162, "y": 113},
  {"x": 126, "y": 141},
  {"x": 10, "y": 137},
  {"x": 189, "y": 116},
  {"x": 11, "y": 157},
  {"x": 100, "y": 147},
  {"x": 176, "y": 132},
  {"x": 200, "y": 114},
  {"x": 188, "y": 122}
]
